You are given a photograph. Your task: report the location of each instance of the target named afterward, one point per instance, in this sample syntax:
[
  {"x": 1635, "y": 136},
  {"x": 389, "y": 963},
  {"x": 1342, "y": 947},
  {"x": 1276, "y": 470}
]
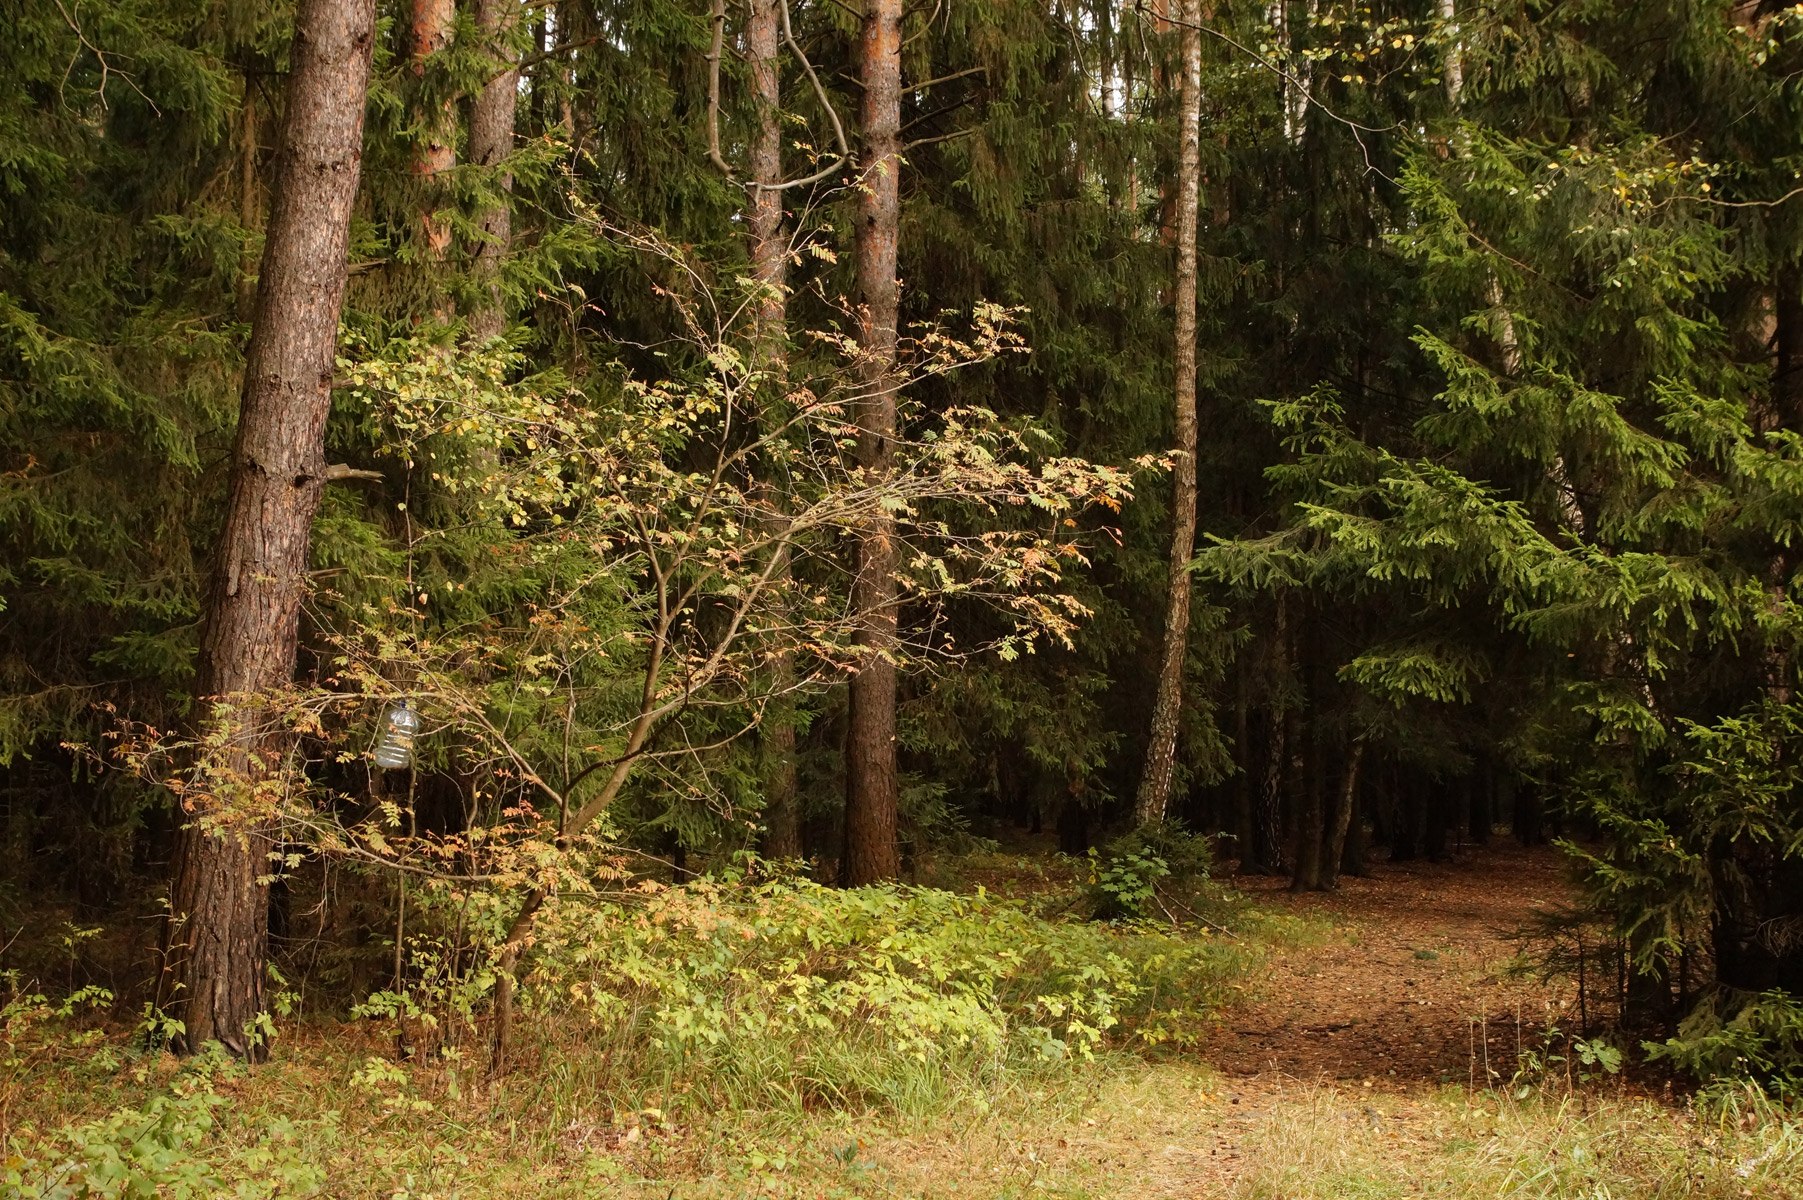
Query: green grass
[
  {"x": 789, "y": 1041},
  {"x": 1117, "y": 1126}
]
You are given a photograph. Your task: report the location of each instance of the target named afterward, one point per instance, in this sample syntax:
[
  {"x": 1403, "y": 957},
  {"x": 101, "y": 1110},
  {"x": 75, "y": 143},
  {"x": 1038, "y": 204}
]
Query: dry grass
[
  {"x": 1121, "y": 1128},
  {"x": 1339, "y": 1009}
]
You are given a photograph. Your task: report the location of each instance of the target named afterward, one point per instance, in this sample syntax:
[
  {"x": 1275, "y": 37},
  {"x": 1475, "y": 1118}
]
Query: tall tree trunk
[
  {"x": 248, "y": 208},
  {"x": 769, "y": 267},
  {"x": 217, "y": 938},
  {"x": 433, "y": 23},
  {"x": 1161, "y": 750},
  {"x": 1758, "y": 907},
  {"x": 1758, "y": 889},
  {"x": 1526, "y": 815},
  {"x": 491, "y": 141},
  {"x": 1482, "y": 787},
  {"x": 1241, "y": 823},
  {"x": 1345, "y": 804},
  {"x": 1405, "y": 836},
  {"x": 1353, "y": 858},
  {"x": 1435, "y": 810},
  {"x": 1311, "y": 818},
  {"x": 1264, "y": 855},
  {"x": 871, "y": 777}
]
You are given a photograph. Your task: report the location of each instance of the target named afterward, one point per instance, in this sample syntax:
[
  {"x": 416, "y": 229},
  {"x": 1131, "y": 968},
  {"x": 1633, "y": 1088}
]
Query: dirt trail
[
  {"x": 1346, "y": 1041},
  {"x": 1408, "y": 988}
]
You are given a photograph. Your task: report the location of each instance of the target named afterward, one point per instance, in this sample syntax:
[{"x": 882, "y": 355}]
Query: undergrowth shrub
[
  {"x": 1147, "y": 872},
  {"x": 170, "y": 1148},
  {"x": 789, "y": 993}
]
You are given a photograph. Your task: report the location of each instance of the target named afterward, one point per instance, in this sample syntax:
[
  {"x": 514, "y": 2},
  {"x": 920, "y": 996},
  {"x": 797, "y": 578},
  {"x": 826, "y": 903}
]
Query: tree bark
[
  {"x": 491, "y": 141},
  {"x": 1435, "y": 816},
  {"x": 1311, "y": 819},
  {"x": 247, "y": 202},
  {"x": 1405, "y": 835},
  {"x": 1161, "y": 750},
  {"x": 1264, "y": 856},
  {"x": 871, "y": 778},
  {"x": 1344, "y": 805},
  {"x": 217, "y": 940},
  {"x": 1478, "y": 816},
  {"x": 433, "y": 23},
  {"x": 1526, "y": 816},
  {"x": 769, "y": 267},
  {"x": 1356, "y": 859}
]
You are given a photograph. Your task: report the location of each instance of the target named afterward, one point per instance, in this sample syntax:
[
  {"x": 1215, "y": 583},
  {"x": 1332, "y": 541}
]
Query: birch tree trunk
[
  {"x": 1161, "y": 750},
  {"x": 871, "y": 783},
  {"x": 216, "y": 943}
]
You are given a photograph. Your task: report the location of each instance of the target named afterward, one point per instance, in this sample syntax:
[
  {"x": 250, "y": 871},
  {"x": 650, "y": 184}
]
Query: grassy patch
[{"x": 781, "y": 1040}]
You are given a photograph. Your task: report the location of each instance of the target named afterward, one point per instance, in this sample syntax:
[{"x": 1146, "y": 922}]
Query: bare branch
[
  {"x": 338, "y": 471},
  {"x": 714, "y": 154}
]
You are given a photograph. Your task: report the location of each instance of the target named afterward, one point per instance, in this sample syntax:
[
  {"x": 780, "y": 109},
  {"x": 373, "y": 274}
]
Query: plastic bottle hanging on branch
[{"x": 394, "y": 746}]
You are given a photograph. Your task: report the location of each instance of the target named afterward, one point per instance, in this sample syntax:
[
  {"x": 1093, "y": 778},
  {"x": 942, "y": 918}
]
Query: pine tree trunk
[
  {"x": 1345, "y": 803},
  {"x": 1161, "y": 750},
  {"x": 248, "y": 208},
  {"x": 1479, "y": 817},
  {"x": 1241, "y": 824},
  {"x": 433, "y": 23},
  {"x": 872, "y": 784},
  {"x": 217, "y": 939},
  {"x": 1264, "y": 855},
  {"x": 1758, "y": 893},
  {"x": 1525, "y": 814},
  {"x": 1405, "y": 836},
  {"x": 1434, "y": 809},
  {"x": 1757, "y": 889},
  {"x": 1358, "y": 838},
  {"x": 769, "y": 266},
  {"x": 491, "y": 141},
  {"x": 1311, "y": 820}
]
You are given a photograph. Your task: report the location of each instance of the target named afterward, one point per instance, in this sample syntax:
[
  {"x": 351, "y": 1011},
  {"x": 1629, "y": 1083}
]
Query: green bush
[
  {"x": 1128, "y": 878},
  {"x": 788, "y": 992},
  {"x": 166, "y": 1150}
]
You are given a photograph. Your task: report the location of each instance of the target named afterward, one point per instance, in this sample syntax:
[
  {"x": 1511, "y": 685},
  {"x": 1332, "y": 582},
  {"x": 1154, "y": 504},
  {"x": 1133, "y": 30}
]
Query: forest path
[
  {"x": 1342, "y": 1056},
  {"x": 1353, "y": 1038},
  {"x": 1411, "y": 982}
]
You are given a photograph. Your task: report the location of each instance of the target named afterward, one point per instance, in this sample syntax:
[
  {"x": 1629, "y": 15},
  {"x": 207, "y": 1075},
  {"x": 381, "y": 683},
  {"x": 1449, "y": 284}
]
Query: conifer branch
[{"x": 921, "y": 87}]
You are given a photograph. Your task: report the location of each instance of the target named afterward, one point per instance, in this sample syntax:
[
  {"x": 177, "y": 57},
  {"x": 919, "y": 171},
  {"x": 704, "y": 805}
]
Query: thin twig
[
  {"x": 714, "y": 54},
  {"x": 532, "y": 60},
  {"x": 944, "y": 137},
  {"x": 1308, "y": 93}
]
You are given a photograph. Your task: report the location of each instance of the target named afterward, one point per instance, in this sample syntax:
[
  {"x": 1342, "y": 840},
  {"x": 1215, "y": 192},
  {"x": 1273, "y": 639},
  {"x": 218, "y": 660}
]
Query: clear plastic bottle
[{"x": 394, "y": 748}]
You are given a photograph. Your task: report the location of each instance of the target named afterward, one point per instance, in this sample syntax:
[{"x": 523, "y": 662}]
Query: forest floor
[
  {"x": 1357, "y": 1070},
  {"x": 1414, "y": 990},
  {"x": 1387, "y": 1052}
]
